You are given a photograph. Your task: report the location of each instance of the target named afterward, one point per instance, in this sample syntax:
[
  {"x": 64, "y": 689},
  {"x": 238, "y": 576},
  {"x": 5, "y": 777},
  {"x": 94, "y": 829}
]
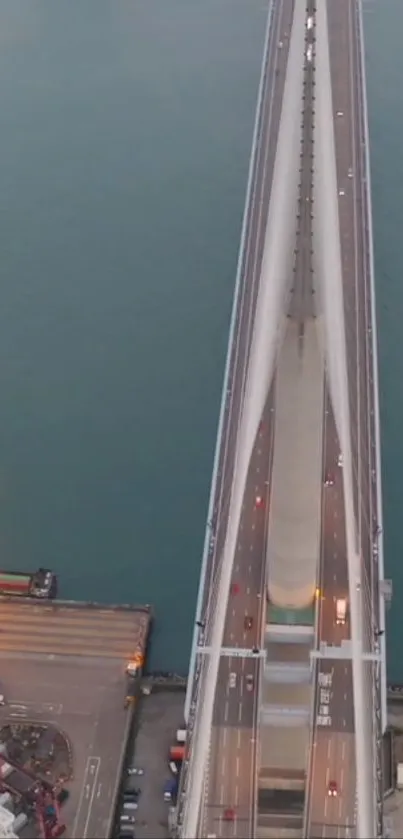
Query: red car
[
  {"x": 229, "y": 814},
  {"x": 329, "y": 479},
  {"x": 259, "y": 501},
  {"x": 332, "y": 790},
  {"x": 235, "y": 588}
]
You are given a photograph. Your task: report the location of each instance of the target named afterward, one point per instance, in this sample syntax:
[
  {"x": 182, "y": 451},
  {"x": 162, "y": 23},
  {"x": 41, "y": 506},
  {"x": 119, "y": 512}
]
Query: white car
[
  {"x": 232, "y": 680},
  {"x": 134, "y": 771},
  {"x": 340, "y": 460}
]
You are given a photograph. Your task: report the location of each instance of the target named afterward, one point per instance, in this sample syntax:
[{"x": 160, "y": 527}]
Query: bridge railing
[{"x": 379, "y": 672}]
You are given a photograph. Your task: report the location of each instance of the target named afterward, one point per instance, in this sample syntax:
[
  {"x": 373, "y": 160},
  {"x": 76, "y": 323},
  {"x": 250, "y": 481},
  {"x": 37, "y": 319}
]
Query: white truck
[{"x": 341, "y": 611}]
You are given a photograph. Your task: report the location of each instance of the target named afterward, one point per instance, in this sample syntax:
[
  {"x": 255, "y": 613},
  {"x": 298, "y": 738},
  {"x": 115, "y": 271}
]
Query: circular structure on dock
[{"x": 41, "y": 749}]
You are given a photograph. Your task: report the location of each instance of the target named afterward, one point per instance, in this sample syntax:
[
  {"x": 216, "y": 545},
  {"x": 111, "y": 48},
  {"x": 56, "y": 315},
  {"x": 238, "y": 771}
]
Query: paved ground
[
  {"x": 81, "y": 693},
  {"x": 159, "y": 717}
]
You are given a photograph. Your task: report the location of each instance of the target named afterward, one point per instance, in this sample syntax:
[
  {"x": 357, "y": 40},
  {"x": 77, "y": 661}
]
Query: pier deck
[{"x": 65, "y": 663}]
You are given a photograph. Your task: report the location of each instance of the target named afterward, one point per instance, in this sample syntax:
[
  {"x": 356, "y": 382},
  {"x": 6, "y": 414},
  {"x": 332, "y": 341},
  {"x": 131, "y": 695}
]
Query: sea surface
[{"x": 125, "y": 132}]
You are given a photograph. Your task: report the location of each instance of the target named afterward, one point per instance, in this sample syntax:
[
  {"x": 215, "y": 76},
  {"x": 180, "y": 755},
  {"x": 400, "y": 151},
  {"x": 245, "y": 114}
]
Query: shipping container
[{"x": 19, "y": 584}]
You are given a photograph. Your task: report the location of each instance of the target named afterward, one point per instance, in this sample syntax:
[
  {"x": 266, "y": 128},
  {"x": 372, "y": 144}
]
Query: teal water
[
  {"x": 383, "y": 23},
  {"x": 125, "y": 139}
]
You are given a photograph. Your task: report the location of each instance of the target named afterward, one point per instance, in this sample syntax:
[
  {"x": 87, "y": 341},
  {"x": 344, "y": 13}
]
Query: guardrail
[
  {"x": 380, "y": 688},
  {"x": 378, "y": 467}
]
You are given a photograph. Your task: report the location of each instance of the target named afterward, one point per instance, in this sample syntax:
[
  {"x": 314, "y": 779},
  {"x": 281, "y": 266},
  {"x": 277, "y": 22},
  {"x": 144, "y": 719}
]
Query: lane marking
[{"x": 94, "y": 766}]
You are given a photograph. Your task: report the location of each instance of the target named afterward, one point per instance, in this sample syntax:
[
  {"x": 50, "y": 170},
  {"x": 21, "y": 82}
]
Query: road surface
[
  {"x": 333, "y": 751},
  {"x": 231, "y": 775}
]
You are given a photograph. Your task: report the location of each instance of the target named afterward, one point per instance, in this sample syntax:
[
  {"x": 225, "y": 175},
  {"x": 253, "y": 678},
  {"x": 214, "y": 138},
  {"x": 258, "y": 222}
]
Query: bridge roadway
[
  {"x": 269, "y": 120},
  {"x": 333, "y": 752},
  {"x": 344, "y": 47},
  {"x": 333, "y": 756},
  {"x": 231, "y": 773}
]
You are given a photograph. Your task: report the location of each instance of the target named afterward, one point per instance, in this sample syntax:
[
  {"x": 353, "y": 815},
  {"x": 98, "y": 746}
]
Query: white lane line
[
  {"x": 222, "y": 794},
  {"x": 237, "y": 767},
  {"x": 85, "y": 788},
  {"x": 226, "y": 712},
  {"x": 250, "y": 569},
  {"x": 223, "y": 763},
  {"x": 239, "y": 739},
  {"x": 224, "y": 736},
  {"x": 240, "y": 712},
  {"x": 329, "y": 748},
  {"x": 94, "y": 771},
  {"x": 343, "y": 751}
]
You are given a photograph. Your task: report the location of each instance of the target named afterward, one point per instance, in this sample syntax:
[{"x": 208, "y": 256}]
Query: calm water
[{"x": 125, "y": 135}]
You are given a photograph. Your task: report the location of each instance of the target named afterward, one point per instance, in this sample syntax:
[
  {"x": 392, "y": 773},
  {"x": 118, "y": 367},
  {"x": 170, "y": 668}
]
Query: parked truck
[{"x": 177, "y": 753}]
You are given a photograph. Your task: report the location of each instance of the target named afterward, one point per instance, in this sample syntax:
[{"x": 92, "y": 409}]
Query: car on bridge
[
  {"x": 332, "y": 789},
  {"x": 232, "y": 680},
  {"x": 248, "y": 622},
  {"x": 250, "y": 682}
]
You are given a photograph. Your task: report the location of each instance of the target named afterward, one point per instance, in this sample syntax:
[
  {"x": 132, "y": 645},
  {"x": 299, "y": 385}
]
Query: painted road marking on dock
[
  {"x": 30, "y": 707},
  {"x": 83, "y": 815}
]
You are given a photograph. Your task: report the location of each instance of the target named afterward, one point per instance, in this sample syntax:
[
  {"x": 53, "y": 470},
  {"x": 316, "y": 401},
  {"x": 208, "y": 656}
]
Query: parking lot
[{"x": 160, "y": 714}]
